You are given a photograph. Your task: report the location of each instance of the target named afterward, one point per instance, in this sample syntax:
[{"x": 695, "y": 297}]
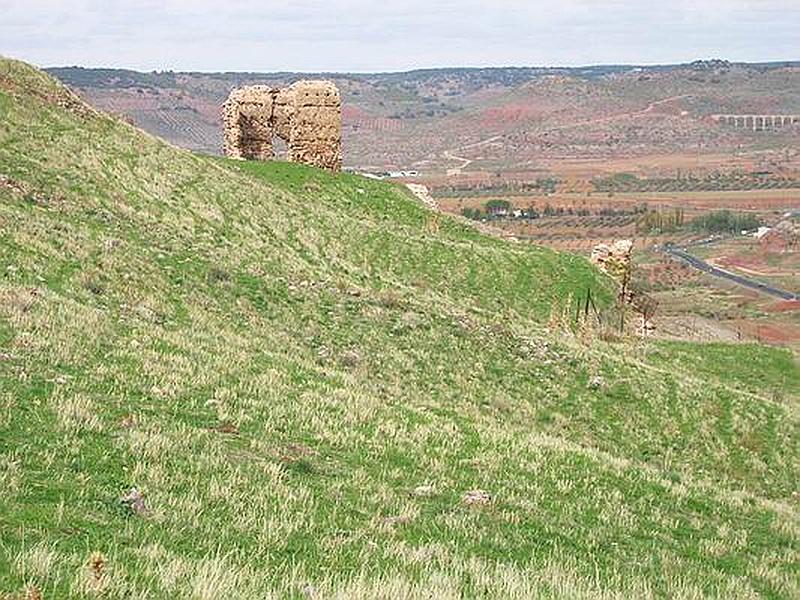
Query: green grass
[
  {"x": 304, "y": 374},
  {"x": 750, "y": 367}
]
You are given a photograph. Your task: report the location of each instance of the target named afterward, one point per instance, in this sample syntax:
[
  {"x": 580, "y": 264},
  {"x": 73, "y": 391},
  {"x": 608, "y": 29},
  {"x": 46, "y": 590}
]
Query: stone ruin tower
[{"x": 306, "y": 115}]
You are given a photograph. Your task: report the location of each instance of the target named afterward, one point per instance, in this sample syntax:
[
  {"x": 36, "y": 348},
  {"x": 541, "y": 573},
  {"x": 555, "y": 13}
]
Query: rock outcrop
[
  {"x": 614, "y": 259},
  {"x": 617, "y": 261},
  {"x": 307, "y": 116}
]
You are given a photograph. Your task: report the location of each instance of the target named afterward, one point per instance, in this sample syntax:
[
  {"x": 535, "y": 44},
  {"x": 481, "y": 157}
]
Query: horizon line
[{"x": 621, "y": 65}]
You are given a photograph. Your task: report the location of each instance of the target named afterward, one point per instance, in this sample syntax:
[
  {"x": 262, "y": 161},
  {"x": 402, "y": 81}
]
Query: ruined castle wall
[
  {"x": 283, "y": 113},
  {"x": 307, "y": 115},
  {"x": 247, "y": 118}
]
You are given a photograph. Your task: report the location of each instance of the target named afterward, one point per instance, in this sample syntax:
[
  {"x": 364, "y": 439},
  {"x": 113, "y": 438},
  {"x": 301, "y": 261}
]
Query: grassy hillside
[{"x": 307, "y": 376}]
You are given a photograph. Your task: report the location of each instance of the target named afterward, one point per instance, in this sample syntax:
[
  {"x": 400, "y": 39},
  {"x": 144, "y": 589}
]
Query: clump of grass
[{"x": 218, "y": 275}]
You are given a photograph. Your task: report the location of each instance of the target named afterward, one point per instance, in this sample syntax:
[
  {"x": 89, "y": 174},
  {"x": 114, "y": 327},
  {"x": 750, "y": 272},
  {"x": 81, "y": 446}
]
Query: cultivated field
[{"x": 615, "y": 216}]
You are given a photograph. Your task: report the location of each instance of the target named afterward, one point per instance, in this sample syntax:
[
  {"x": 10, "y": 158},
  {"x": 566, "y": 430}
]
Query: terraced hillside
[{"x": 238, "y": 380}]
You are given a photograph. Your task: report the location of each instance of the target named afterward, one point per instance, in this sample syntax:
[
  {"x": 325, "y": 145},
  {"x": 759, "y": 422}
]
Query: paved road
[{"x": 747, "y": 282}]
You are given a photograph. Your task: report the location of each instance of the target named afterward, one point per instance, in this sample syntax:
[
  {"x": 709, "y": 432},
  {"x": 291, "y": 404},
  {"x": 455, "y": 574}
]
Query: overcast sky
[{"x": 389, "y": 35}]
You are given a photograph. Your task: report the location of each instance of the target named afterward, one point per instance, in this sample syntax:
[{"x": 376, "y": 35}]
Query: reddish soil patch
[
  {"x": 774, "y": 242},
  {"x": 509, "y": 113},
  {"x": 354, "y": 112},
  {"x": 770, "y": 333},
  {"x": 783, "y": 306},
  {"x": 746, "y": 262}
]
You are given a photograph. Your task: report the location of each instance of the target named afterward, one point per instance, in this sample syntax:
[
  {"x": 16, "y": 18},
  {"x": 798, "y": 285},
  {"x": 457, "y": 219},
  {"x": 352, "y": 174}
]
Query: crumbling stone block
[
  {"x": 614, "y": 259},
  {"x": 307, "y": 116},
  {"x": 617, "y": 261}
]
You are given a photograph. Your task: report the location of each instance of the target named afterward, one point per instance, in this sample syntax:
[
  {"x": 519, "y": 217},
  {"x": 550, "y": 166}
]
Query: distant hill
[
  {"x": 501, "y": 118},
  {"x": 226, "y": 380}
]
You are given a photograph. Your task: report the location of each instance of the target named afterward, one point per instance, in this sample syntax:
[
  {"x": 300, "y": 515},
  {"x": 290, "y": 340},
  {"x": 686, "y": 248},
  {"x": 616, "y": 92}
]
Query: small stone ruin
[
  {"x": 306, "y": 115},
  {"x": 614, "y": 259}
]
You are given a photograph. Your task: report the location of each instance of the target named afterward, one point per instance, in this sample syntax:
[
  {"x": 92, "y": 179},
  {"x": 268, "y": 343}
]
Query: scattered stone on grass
[
  {"x": 134, "y": 500},
  {"x": 477, "y": 498},
  {"x": 395, "y": 520},
  {"x": 423, "y": 491}
]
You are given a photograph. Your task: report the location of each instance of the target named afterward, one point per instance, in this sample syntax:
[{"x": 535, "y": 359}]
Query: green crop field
[{"x": 320, "y": 389}]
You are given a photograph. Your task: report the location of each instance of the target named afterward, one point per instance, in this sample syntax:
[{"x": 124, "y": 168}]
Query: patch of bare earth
[{"x": 694, "y": 328}]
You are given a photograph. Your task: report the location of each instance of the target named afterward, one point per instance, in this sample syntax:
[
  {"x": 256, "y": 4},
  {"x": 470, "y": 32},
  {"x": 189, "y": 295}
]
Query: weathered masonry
[{"x": 306, "y": 115}]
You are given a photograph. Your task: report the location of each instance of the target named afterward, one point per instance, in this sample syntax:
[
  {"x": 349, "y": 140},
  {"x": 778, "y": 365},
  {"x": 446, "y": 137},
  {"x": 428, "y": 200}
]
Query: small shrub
[{"x": 217, "y": 275}]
